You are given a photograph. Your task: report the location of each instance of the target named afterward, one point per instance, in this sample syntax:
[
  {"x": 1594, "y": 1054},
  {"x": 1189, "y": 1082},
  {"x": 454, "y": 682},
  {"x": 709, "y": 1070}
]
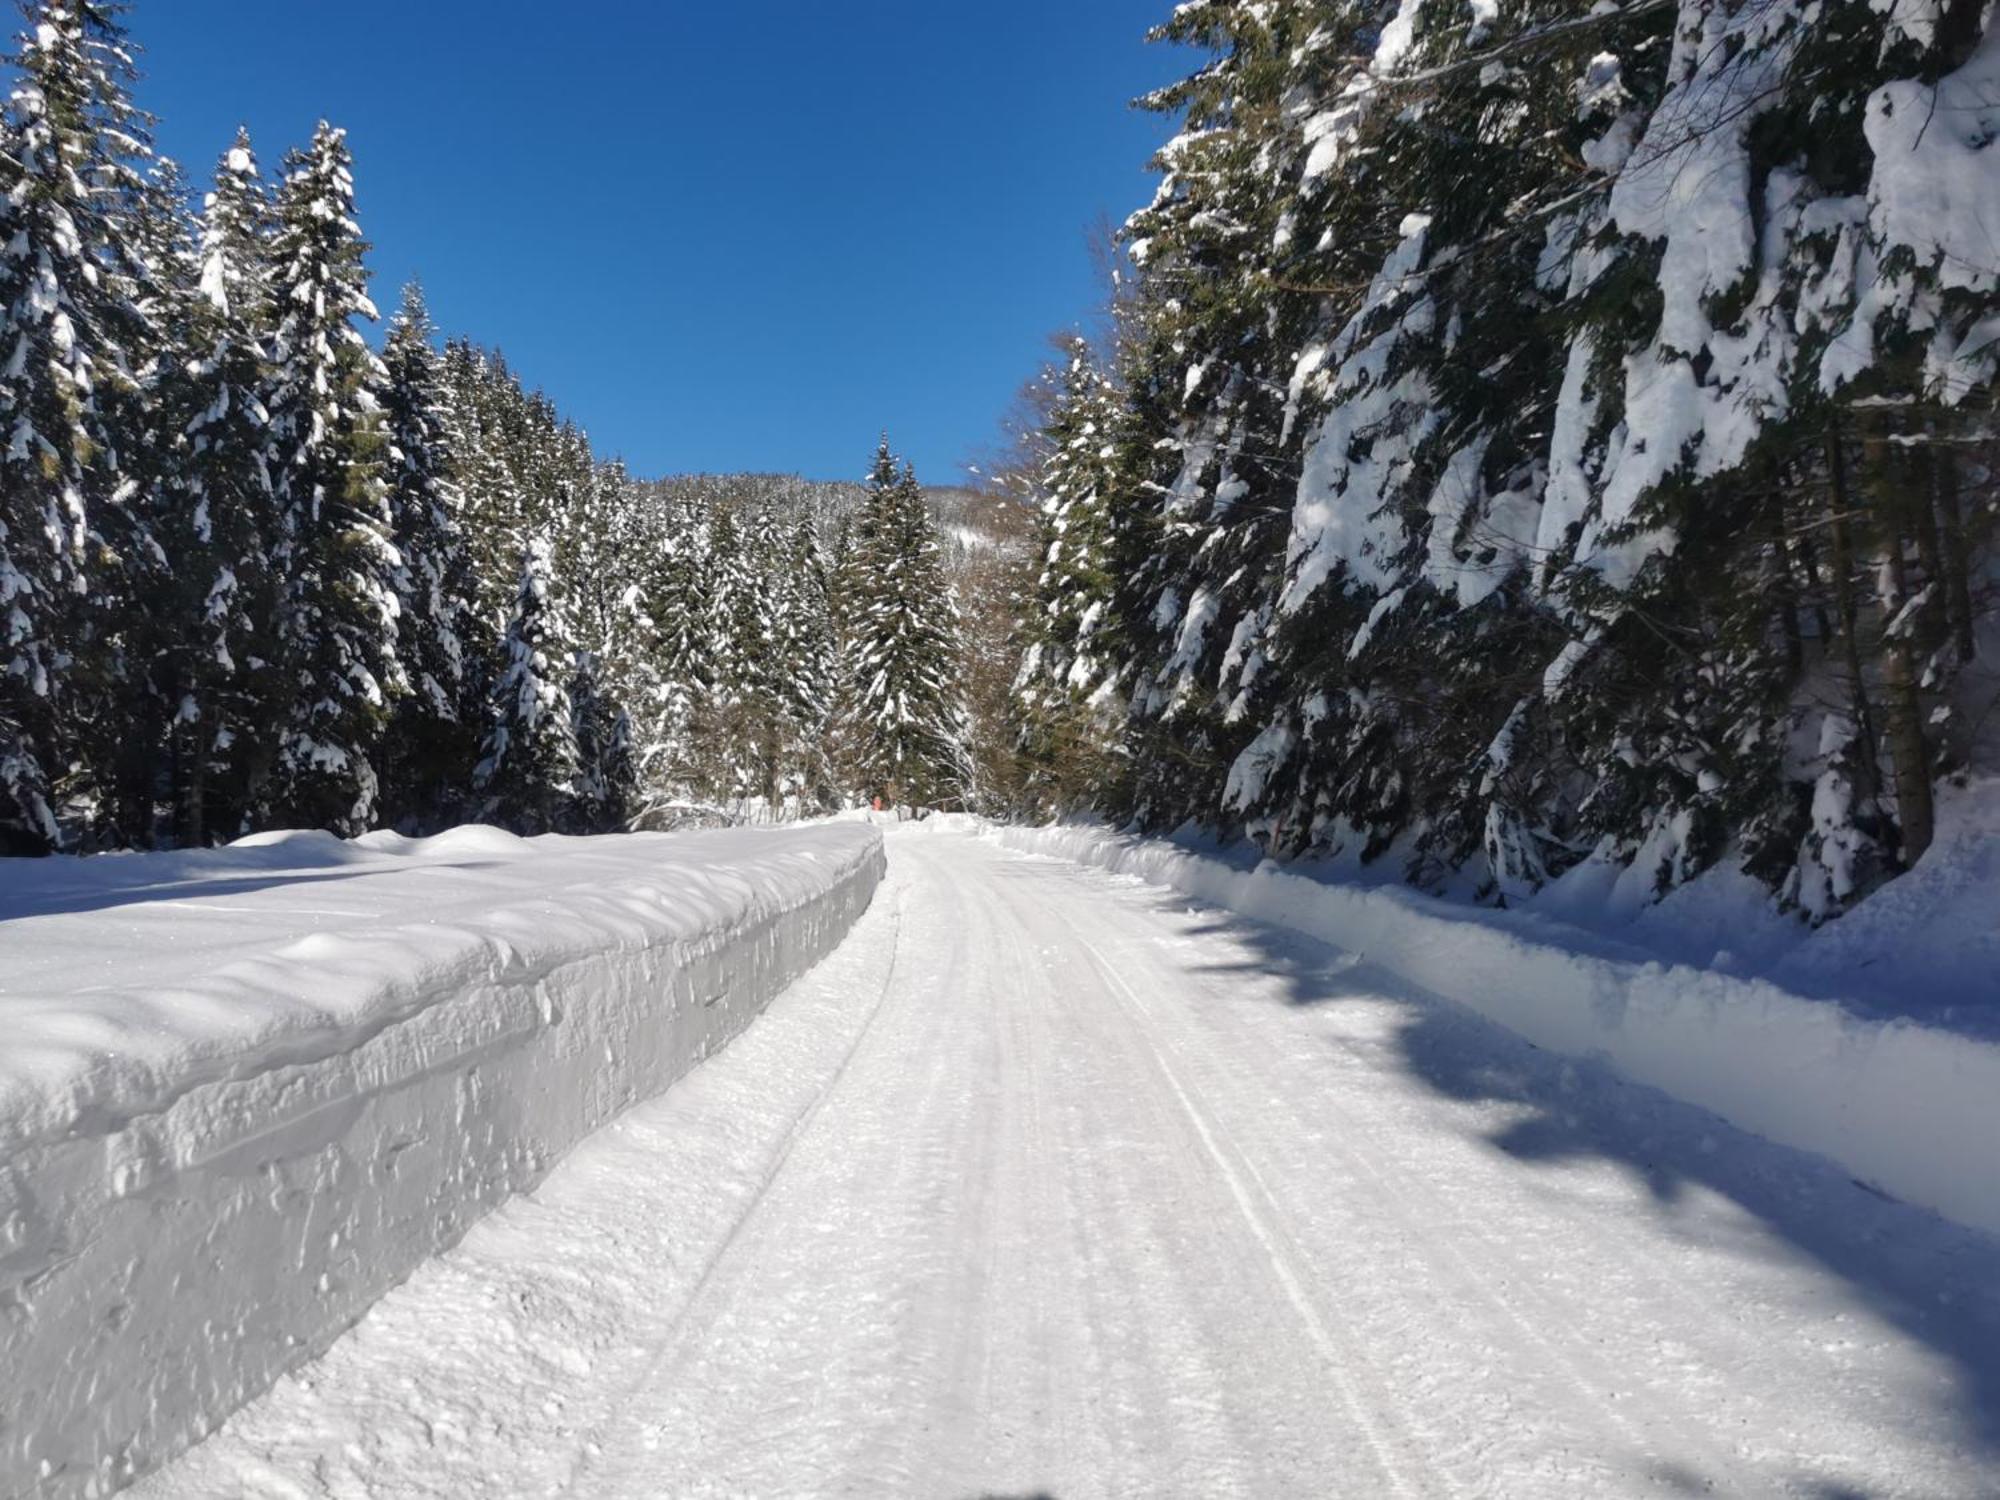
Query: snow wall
[
  {"x": 165, "y": 1258},
  {"x": 1909, "y": 1110}
]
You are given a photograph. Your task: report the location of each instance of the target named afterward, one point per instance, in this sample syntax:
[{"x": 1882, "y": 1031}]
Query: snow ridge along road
[
  {"x": 1046, "y": 1183},
  {"x": 246, "y": 1091}
]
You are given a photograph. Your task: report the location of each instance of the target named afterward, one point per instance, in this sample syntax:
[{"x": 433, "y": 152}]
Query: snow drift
[
  {"x": 244, "y": 1092},
  {"x": 1909, "y": 1109}
]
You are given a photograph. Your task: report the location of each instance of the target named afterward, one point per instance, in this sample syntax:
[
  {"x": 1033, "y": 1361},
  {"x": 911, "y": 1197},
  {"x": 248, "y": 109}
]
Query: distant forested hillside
[{"x": 258, "y": 574}]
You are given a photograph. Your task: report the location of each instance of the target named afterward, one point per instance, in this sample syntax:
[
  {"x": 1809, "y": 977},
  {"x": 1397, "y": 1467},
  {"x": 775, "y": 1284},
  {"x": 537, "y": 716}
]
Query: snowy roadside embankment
[
  {"x": 1909, "y": 1109},
  {"x": 246, "y": 1091}
]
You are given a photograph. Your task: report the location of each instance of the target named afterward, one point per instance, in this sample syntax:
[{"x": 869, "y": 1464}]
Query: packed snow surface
[
  {"x": 1911, "y": 1109},
  {"x": 1048, "y": 1182}
]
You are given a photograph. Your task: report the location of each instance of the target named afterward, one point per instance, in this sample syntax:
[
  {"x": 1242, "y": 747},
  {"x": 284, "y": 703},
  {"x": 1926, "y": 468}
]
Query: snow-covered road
[{"x": 1045, "y": 1184}]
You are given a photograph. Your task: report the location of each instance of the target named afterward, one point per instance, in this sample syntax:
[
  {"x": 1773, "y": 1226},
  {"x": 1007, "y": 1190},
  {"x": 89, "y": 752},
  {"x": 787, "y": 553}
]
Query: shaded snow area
[
  {"x": 1911, "y": 1109},
  {"x": 1048, "y": 1182},
  {"x": 244, "y": 1092},
  {"x": 1926, "y": 946}
]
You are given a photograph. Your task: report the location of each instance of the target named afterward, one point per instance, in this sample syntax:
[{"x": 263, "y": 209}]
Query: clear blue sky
[{"x": 741, "y": 234}]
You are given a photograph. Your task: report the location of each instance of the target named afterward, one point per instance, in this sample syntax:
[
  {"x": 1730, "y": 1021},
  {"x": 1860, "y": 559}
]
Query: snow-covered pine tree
[
  {"x": 806, "y": 671},
  {"x": 217, "y": 516},
  {"x": 908, "y": 720},
  {"x": 73, "y": 547},
  {"x": 1061, "y": 706},
  {"x": 1417, "y": 412},
  {"x": 490, "y": 433},
  {"x": 1616, "y": 390},
  {"x": 762, "y": 726},
  {"x": 1201, "y": 482},
  {"x": 485, "y": 484},
  {"x": 733, "y": 652},
  {"x": 333, "y": 557},
  {"x": 596, "y": 541},
  {"x": 528, "y": 774},
  {"x": 674, "y": 574},
  {"x": 435, "y": 729},
  {"x": 607, "y": 776},
  {"x": 160, "y": 615}
]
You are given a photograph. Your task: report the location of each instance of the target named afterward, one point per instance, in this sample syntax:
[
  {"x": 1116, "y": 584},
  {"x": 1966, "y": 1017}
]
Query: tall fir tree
[
  {"x": 529, "y": 773},
  {"x": 1540, "y": 431},
  {"x": 806, "y": 670},
  {"x": 436, "y": 727},
  {"x": 333, "y": 556},
  {"x": 218, "y": 669},
  {"x": 74, "y": 550},
  {"x": 908, "y": 721},
  {"x": 607, "y": 775},
  {"x": 673, "y": 581},
  {"x": 732, "y": 650},
  {"x": 1063, "y": 706}
]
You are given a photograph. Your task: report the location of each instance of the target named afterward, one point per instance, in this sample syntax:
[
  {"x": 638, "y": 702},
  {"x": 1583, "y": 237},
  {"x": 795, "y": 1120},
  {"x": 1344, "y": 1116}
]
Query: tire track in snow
[
  {"x": 1391, "y": 1453},
  {"x": 674, "y": 1339},
  {"x": 1656, "y": 1425},
  {"x": 1578, "y": 1368}
]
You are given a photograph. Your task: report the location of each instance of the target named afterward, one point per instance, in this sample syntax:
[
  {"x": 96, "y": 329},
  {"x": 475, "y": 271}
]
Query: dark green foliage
[
  {"x": 906, "y": 720},
  {"x": 332, "y": 553},
  {"x": 436, "y": 724},
  {"x": 1463, "y": 509}
]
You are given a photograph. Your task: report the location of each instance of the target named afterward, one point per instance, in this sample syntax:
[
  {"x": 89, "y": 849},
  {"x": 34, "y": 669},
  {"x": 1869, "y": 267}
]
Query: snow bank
[
  {"x": 1909, "y": 1109},
  {"x": 244, "y": 1092}
]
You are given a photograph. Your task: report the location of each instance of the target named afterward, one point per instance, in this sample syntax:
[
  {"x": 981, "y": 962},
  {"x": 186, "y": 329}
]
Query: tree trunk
[
  {"x": 1847, "y": 612},
  {"x": 1954, "y": 560},
  {"x": 1903, "y": 708},
  {"x": 1784, "y": 593},
  {"x": 191, "y": 806},
  {"x": 1956, "y": 37}
]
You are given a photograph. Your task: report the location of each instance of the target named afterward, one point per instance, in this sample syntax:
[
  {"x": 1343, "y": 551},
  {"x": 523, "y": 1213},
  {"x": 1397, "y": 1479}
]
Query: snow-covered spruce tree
[
  {"x": 1614, "y": 382},
  {"x": 529, "y": 773},
  {"x": 75, "y": 552},
  {"x": 763, "y": 736},
  {"x": 737, "y": 652},
  {"x": 775, "y": 644},
  {"x": 597, "y": 542},
  {"x": 908, "y": 723},
  {"x": 807, "y": 670},
  {"x": 435, "y": 729},
  {"x": 503, "y": 479},
  {"x": 607, "y": 775},
  {"x": 333, "y": 557},
  {"x": 605, "y": 534},
  {"x": 217, "y": 516},
  {"x": 1208, "y": 344},
  {"x": 843, "y": 594},
  {"x": 1767, "y": 466},
  {"x": 155, "y": 743},
  {"x": 1418, "y": 413},
  {"x": 1062, "y": 705},
  {"x": 491, "y": 508},
  {"x": 673, "y": 574}
]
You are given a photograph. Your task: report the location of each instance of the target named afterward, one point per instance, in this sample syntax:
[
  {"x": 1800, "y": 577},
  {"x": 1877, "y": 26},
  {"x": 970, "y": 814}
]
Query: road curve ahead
[{"x": 1046, "y": 1184}]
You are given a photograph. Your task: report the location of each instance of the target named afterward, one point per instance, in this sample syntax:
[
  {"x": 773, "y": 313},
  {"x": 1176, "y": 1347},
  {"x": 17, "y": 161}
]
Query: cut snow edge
[{"x": 201, "y": 1230}]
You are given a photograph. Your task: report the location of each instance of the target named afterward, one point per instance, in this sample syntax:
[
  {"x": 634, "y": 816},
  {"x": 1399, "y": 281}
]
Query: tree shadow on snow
[
  {"x": 1936, "y": 1281},
  {"x": 103, "y": 895}
]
